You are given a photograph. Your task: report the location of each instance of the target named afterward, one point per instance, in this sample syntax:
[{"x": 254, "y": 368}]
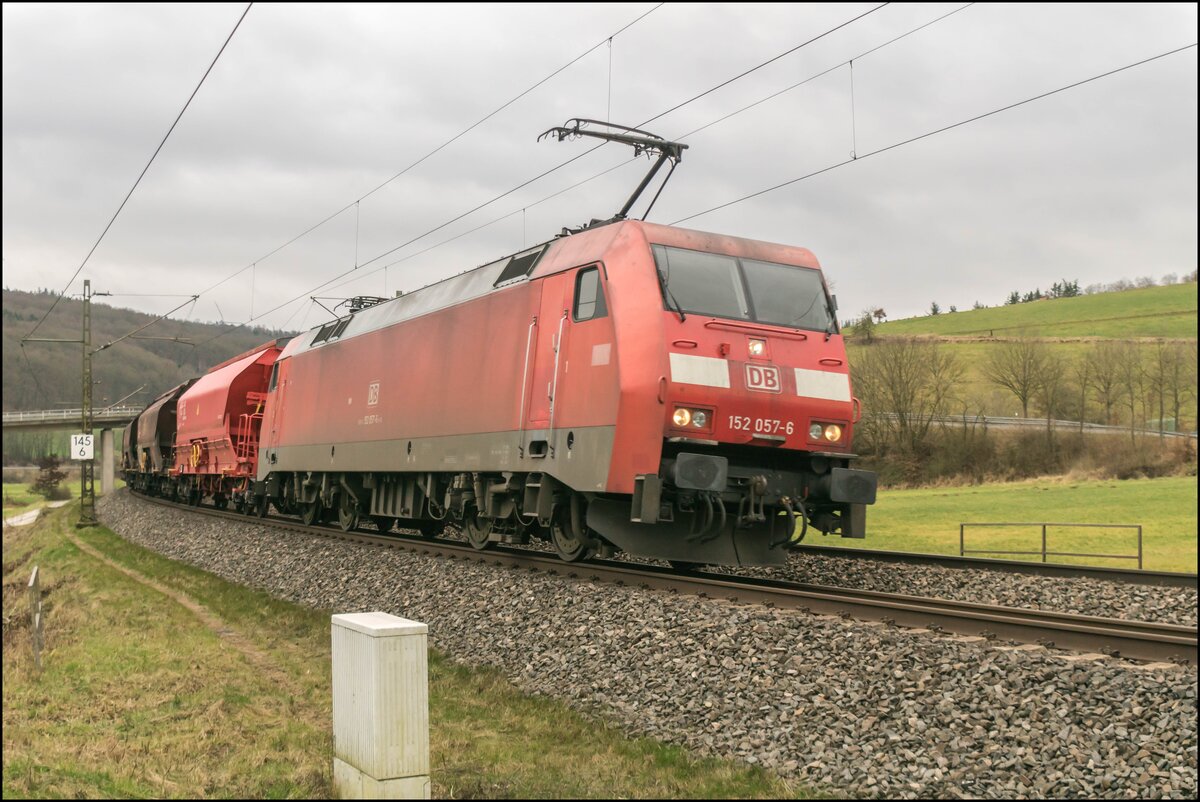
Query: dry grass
[
  {"x": 207, "y": 689},
  {"x": 140, "y": 698}
]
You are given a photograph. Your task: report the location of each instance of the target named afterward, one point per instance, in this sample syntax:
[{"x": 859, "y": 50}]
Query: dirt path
[{"x": 226, "y": 633}]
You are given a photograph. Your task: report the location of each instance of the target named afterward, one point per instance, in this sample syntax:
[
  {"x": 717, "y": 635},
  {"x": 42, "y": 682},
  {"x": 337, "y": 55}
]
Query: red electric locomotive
[{"x": 625, "y": 387}]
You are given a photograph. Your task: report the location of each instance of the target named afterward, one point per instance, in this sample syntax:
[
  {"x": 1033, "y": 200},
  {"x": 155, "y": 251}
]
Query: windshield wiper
[{"x": 662, "y": 282}]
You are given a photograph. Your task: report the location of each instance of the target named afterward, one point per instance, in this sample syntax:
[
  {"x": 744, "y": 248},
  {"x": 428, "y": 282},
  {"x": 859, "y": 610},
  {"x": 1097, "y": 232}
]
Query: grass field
[
  {"x": 927, "y": 520},
  {"x": 141, "y": 696},
  {"x": 1150, "y": 312},
  {"x": 18, "y": 498}
]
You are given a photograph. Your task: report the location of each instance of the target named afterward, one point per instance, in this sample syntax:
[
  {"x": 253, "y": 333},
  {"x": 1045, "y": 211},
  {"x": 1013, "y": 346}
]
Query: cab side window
[{"x": 589, "y": 296}]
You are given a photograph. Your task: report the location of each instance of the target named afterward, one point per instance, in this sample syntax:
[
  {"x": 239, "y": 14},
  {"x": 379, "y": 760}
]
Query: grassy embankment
[
  {"x": 926, "y": 520},
  {"x": 141, "y": 696}
]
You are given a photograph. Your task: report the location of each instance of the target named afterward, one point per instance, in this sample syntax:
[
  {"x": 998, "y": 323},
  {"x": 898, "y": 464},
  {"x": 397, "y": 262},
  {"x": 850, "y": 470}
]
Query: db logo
[{"x": 764, "y": 378}]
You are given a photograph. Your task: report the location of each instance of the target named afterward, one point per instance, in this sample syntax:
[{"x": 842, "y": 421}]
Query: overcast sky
[{"x": 311, "y": 107}]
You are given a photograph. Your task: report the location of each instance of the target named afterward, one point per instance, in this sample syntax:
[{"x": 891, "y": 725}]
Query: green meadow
[{"x": 927, "y": 520}]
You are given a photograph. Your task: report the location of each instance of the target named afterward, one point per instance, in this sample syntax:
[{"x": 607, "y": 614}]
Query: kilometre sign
[{"x": 81, "y": 446}]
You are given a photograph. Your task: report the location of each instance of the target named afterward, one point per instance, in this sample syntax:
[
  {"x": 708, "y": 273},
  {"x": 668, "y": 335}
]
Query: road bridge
[{"x": 70, "y": 420}]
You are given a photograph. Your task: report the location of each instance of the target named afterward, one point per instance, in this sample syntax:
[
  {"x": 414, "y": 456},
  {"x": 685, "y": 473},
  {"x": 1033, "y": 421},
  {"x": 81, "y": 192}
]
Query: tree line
[{"x": 908, "y": 388}]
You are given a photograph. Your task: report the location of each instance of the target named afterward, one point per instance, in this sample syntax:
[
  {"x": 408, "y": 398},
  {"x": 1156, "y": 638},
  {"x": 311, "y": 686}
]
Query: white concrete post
[{"x": 380, "y": 707}]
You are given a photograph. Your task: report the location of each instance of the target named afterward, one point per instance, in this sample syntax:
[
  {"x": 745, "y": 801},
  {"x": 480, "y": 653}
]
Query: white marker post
[{"x": 380, "y": 707}]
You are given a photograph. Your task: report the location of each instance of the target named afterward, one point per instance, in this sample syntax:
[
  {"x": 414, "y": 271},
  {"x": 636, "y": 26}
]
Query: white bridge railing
[{"x": 102, "y": 415}]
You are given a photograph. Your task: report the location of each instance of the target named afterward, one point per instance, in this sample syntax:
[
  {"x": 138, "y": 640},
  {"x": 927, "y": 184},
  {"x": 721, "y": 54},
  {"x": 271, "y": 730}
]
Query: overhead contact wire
[
  {"x": 679, "y": 138},
  {"x": 943, "y": 129},
  {"x": 551, "y": 170},
  {"x": 449, "y": 141},
  {"x": 354, "y": 204},
  {"x": 142, "y": 174}
]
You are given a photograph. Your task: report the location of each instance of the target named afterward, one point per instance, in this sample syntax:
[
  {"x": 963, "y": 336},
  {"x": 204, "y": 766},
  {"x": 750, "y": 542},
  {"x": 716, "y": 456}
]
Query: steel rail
[
  {"x": 1115, "y": 637},
  {"x": 1130, "y": 576}
]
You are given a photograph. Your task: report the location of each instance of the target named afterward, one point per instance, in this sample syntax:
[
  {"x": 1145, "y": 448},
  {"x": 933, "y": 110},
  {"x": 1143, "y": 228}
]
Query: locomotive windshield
[{"x": 743, "y": 289}]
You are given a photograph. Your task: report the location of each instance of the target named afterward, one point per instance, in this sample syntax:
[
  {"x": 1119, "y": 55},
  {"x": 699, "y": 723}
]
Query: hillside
[
  {"x": 1150, "y": 312},
  {"x": 1074, "y": 331},
  {"x": 120, "y": 370}
]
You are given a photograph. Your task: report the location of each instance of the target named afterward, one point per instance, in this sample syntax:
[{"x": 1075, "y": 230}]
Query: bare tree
[
  {"x": 1105, "y": 367},
  {"x": 1178, "y": 380},
  {"x": 905, "y": 386},
  {"x": 1050, "y": 382},
  {"x": 1016, "y": 366},
  {"x": 1081, "y": 372},
  {"x": 1133, "y": 382}
]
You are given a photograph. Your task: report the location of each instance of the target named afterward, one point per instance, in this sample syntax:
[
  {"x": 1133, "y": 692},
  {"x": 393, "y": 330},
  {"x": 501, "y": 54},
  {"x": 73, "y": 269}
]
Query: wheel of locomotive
[
  {"x": 478, "y": 530},
  {"x": 193, "y": 497},
  {"x": 570, "y": 545},
  {"x": 683, "y": 565},
  {"x": 383, "y": 523},
  {"x": 262, "y": 506},
  {"x": 310, "y": 513},
  {"x": 239, "y": 505},
  {"x": 347, "y": 513},
  {"x": 431, "y": 529},
  {"x": 220, "y": 501}
]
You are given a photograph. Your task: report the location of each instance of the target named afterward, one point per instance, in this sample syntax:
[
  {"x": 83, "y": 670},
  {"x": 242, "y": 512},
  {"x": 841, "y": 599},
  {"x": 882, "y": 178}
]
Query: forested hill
[{"x": 51, "y": 377}]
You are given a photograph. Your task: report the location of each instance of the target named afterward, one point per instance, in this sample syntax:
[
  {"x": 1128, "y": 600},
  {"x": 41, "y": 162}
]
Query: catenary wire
[
  {"x": 943, "y": 129},
  {"x": 141, "y": 175},
  {"x": 449, "y": 141},
  {"x": 542, "y": 175},
  {"x": 354, "y": 203},
  {"x": 602, "y": 173}
]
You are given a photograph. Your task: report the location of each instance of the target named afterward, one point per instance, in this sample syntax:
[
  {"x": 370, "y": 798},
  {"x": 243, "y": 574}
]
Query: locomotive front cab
[{"x": 758, "y": 413}]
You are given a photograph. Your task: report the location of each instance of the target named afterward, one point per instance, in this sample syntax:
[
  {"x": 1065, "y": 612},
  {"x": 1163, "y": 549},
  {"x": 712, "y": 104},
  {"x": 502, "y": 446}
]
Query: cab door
[{"x": 550, "y": 330}]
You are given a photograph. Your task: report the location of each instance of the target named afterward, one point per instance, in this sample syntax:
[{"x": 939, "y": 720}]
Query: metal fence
[
  {"x": 1040, "y": 423},
  {"x": 963, "y": 550}
]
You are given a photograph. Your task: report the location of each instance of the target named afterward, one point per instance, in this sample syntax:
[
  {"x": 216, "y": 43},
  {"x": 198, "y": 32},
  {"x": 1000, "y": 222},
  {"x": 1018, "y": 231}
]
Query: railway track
[
  {"x": 1128, "y": 575},
  {"x": 1115, "y": 637}
]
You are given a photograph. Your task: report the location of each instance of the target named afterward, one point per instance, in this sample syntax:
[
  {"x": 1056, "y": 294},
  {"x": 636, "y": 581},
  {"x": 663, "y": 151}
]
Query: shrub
[{"x": 48, "y": 478}]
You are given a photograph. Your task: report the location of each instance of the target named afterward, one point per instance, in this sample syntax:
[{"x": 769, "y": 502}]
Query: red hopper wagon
[{"x": 219, "y": 417}]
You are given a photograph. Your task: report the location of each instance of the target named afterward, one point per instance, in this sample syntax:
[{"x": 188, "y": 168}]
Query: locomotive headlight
[
  {"x": 758, "y": 347},
  {"x": 682, "y": 417},
  {"x": 700, "y": 419},
  {"x": 833, "y": 433},
  {"x": 815, "y": 431}
]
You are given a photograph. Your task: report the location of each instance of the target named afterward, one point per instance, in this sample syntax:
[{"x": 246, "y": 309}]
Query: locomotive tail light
[
  {"x": 758, "y": 348},
  {"x": 682, "y": 417},
  {"x": 815, "y": 431},
  {"x": 700, "y": 419}
]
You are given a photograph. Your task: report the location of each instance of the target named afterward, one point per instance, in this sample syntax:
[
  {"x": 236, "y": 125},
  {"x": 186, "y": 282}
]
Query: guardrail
[
  {"x": 963, "y": 550},
  {"x": 1040, "y": 423},
  {"x": 70, "y": 415}
]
